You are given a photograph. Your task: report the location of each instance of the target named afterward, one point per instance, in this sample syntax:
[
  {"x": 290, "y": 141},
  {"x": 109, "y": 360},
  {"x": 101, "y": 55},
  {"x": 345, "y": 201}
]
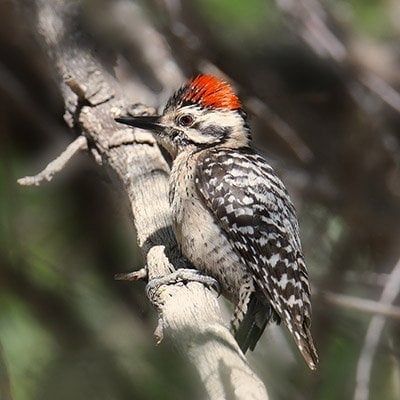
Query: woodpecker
[{"x": 232, "y": 216}]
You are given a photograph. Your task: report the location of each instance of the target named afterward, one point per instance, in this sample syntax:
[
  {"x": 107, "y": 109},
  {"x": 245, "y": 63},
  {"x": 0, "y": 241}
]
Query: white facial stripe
[{"x": 197, "y": 136}]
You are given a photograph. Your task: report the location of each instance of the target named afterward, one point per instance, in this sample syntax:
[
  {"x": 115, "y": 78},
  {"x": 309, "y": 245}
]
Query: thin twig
[
  {"x": 310, "y": 23},
  {"x": 57, "y": 164},
  {"x": 138, "y": 275},
  {"x": 282, "y": 128},
  {"x": 382, "y": 89},
  {"x": 309, "y": 19},
  {"x": 374, "y": 279},
  {"x": 364, "y": 305},
  {"x": 374, "y": 332}
]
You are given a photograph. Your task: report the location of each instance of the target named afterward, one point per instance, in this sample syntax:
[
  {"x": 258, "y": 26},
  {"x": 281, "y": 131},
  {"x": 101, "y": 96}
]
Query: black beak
[{"x": 150, "y": 123}]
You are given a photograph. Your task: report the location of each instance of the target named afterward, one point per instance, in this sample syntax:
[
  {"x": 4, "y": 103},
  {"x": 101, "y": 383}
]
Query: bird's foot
[{"x": 183, "y": 275}]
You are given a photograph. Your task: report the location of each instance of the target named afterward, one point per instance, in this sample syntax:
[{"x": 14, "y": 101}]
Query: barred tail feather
[{"x": 306, "y": 346}]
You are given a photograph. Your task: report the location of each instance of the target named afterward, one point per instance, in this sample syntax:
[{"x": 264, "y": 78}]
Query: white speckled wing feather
[{"x": 254, "y": 210}]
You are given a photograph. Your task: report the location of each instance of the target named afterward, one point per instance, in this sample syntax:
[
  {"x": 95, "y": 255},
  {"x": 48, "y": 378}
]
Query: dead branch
[
  {"x": 56, "y": 165},
  {"x": 363, "y": 305},
  {"x": 93, "y": 98},
  {"x": 372, "y": 337}
]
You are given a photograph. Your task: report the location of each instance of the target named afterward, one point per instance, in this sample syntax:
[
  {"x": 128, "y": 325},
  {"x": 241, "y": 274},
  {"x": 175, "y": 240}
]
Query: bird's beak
[{"x": 150, "y": 123}]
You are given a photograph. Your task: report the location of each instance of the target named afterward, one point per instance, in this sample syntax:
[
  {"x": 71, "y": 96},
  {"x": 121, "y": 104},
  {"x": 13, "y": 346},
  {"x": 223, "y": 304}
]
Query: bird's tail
[
  {"x": 305, "y": 344},
  {"x": 256, "y": 318},
  {"x": 254, "y": 322}
]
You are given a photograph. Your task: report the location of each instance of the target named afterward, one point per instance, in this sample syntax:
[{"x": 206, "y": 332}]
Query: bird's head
[{"x": 205, "y": 112}]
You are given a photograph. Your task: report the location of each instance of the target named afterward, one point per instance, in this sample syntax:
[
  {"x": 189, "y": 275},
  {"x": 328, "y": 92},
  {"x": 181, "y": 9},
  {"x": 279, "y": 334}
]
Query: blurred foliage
[
  {"x": 372, "y": 17},
  {"x": 239, "y": 20},
  {"x": 68, "y": 330}
]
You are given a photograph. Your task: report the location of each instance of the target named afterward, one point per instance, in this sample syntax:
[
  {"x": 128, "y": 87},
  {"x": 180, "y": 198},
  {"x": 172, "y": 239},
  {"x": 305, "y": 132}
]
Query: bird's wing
[{"x": 254, "y": 210}]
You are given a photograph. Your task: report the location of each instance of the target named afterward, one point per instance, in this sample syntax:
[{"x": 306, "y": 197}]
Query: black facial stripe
[
  {"x": 196, "y": 125},
  {"x": 216, "y": 131},
  {"x": 175, "y": 133},
  {"x": 185, "y": 141}
]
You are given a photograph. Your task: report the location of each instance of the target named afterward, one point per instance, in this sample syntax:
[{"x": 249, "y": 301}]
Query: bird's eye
[{"x": 185, "y": 120}]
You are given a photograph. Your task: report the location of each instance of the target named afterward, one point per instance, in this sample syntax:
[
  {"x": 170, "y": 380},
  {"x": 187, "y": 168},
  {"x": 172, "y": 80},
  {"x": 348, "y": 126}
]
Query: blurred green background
[{"x": 331, "y": 126}]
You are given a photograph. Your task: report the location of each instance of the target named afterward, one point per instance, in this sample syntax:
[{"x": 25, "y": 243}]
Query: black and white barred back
[{"x": 254, "y": 210}]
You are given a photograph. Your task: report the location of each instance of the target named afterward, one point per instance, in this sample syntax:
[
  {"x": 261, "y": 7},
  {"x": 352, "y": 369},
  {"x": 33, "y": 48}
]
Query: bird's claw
[{"x": 183, "y": 275}]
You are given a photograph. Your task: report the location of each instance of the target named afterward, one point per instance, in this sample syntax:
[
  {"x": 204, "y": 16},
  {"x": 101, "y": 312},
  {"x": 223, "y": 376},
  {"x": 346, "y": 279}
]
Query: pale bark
[{"x": 190, "y": 313}]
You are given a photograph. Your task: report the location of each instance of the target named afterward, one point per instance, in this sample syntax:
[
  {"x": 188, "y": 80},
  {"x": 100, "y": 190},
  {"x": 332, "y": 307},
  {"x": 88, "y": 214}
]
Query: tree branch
[
  {"x": 93, "y": 98},
  {"x": 364, "y": 305},
  {"x": 372, "y": 337},
  {"x": 56, "y": 165}
]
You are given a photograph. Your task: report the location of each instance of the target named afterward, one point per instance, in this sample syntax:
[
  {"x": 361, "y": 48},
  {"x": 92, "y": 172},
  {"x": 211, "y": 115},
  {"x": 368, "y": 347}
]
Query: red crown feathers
[{"x": 211, "y": 92}]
